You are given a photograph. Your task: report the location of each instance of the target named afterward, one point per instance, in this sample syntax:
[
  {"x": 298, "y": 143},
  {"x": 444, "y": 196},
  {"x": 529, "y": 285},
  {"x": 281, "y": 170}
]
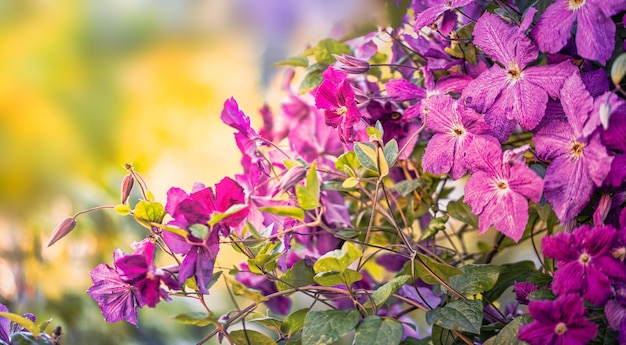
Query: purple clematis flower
[
  {"x": 585, "y": 263},
  {"x": 138, "y": 269},
  {"x": 192, "y": 212},
  {"x": 512, "y": 91},
  {"x": 595, "y": 31},
  {"x": 436, "y": 9},
  {"x": 455, "y": 128},
  {"x": 498, "y": 189},
  {"x": 558, "y": 322},
  {"x": 116, "y": 298},
  {"x": 614, "y": 138},
  {"x": 336, "y": 97},
  {"x": 579, "y": 161},
  {"x": 5, "y": 326}
]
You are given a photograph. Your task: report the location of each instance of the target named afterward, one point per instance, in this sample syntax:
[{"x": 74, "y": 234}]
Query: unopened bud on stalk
[
  {"x": 604, "y": 206},
  {"x": 291, "y": 178},
  {"x": 127, "y": 187},
  {"x": 63, "y": 229},
  {"x": 350, "y": 64}
]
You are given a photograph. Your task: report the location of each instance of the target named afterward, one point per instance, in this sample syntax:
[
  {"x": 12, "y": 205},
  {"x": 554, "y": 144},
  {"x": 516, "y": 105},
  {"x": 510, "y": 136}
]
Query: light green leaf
[
  {"x": 374, "y": 133},
  {"x": 22, "y": 321},
  {"x": 199, "y": 230},
  {"x": 216, "y": 217},
  {"x": 293, "y": 322},
  {"x": 406, "y": 187},
  {"x": 350, "y": 182},
  {"x": 338, "y": 259},
  {"x": 436, "y": 224},
  {"x": 285, "y": 211},
  {"x": 148, "y": 212},
  {"x": 295, "y": 61},
  {"x": 391, "y": 152},
  {"x": 250, "y": 337},
  {"x": 122, "y": 210},
  {"x": 374, "y": 330},
  {"x": 332, "y": 278},
  {"x": 327, "y": 326},
  {"x": 476, "y": 279},
  {"x": 459, "y": 315},
  {"x": 618, "y": 69},
  {"x": 366, "y": 155},
  {"x": 325, "y": 49},
  {"x": 309, "y": 194},
  {"x": 269, "y": 322},
  {"x": 197, "y": 318},
  {"x": 508, "y": 334},
  {"x": 385, "y": 291},
  {"x": 349, "y": 160},
  {"x": 383, "y": 167},
  {"x": 297, "y": 276}
]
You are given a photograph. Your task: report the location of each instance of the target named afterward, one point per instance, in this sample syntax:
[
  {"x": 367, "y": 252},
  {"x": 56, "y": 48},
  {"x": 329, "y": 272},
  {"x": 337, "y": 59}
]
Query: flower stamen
[{"x": 560, "y": 328}]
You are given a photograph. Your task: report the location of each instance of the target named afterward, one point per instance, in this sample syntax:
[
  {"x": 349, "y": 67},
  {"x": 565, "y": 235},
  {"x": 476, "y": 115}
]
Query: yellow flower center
[
  {"x": 396, "y": 116},
  {"x": 573, "y": 5},
  {"x": 458, "y": 131},
  {"x": 560, "y": 328},
  {"x": 577, "y": 150},
  {"x": 514, "y": 72},
  {"x": 584, "y": 258},
  {"x": 341, "y": 110},
  {"x": 502, "y": 185},
  {"x": 619, "y": 253}
]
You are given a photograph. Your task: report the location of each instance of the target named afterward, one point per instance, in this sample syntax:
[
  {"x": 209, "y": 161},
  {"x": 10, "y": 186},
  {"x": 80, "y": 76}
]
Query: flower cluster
[{"x": 349, "y": 193}]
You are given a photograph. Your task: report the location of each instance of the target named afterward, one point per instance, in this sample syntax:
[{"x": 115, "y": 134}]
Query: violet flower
[
  {"x": 512, "y": 91},
  {"x": 595, "y": 33},
  {"x": 579, "y": 161},
  {"x": 585, "y": 263},
  {"x": 429, "y": 15},
  {"x": 498, "y": 189},
  {"x": 558, "y": 322}
]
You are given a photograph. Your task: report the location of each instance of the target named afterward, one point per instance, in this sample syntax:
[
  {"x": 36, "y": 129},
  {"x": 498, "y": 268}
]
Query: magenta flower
[
  {"x": 614, "y": 138},
  {"x": 498, "y": 189},
  {"x": 595, "y": 33},
  {"x": 579, "y": 161},
  {"x": 455, "y": 129},
  {"x": 5, "y": 326},
  {"x": 585, "y": 263},
  {"x": 428, "y": 16},
  {"x": 193, "y": 212},
  {"x": 138, "y": 269},
  {"x": 336, "y": 97},
  {"x": 278, "y": 304},
  {"x": 512, "y": 91},
  {"x": 116, "y": 298},
  {"x": 247, "y": 139},
  {"x": 558, "y": 322}
]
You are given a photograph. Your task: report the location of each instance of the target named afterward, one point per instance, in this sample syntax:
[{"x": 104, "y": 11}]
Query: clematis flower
[
  {"x": 278, "y": 304},
  {"x": 595, "y": 33},
  {"x": 116, "y": 298},
  {"x": 192, "y": 212},
  {"x": 614, "y": 139},
  {"x": 247, "y": 138},
  {"x": 138, "y": 269},
  {"x": 455, "y": 128},
  {"x": 579, "y": 161},
  {"x": 5, "y": 326},
  {"x": 558, "y": 322},
  {"x": 585, "y": 263},
  {"x": 498, "y": 189},
  {"x": 436, "y": 9},
  {"x": 512, "y": 91},
  {"x": 615, "y": 311},
  {"x": 336, "y": 97}
]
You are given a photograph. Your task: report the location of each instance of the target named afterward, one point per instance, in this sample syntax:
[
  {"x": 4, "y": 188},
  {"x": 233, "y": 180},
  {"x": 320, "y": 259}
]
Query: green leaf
[
  {"x": 285, "y": 211},
  {"x": 43, "y": 325},
  {"x": 443, "y": 271},
  {"x": 459, "y": 315},
  {"x": 435, "y": 225},
  {"x": 518, "y": 271},
  {"x": 313, "y": 78},
  {"x": 148, "y": 212},
  {"x": 347, "y": 159},
  {"x": 350, "y": 182},
  {"x": 618, "y": 69},
  {"x": 250, "y": 337},
  {"x": 297, "y": 276},
  {"x": 332, "y": 278},
  {"x": 216, "y": 217},
  {"x": 293, "y": 322},
  {"x": 461, "y": 211},
  {"x": 174, "y": 230},
  {"x": 406, "y": 187},
  {"x": 385, "y": 291},
  {"x": 383, "y": 167},
  {"x": 242, "y": 290},
  {"x": 295, "y": 61},
  {"x": 508, "y": 334},
  {"x": 476, "y": 279},
  {"x": 374, "y": 133},
  {"x": 269, "y": 322},
  {"x": 22, "y": 321},
  {"x": 366, "y": 155},
  {"x": 309, "y": 194},
  {"x": 196, "y": 318},
  {"x": 327, "y": 326},
  {"x": 25, "y": 338},
  {"x": 391, "y": 152},
  {"x": 122, "y": 210},
  {"x": 374, "y": 330},
  {"x": 338, "y": 259},
  {"x": 325, "y": 49},
  {"x": 442, "y": 336},
  {"x": 199, "y": 230}
]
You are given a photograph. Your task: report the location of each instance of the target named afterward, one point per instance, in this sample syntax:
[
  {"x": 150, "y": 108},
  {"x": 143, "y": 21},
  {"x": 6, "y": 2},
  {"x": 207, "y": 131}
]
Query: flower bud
[
  {"x": 291, "y": 178},
  {"x": 604, "y": 206},
  {"x": 351, "y": 65},
  {"x": 63, "y": 229},
  {"x": 127, "y": 187}
]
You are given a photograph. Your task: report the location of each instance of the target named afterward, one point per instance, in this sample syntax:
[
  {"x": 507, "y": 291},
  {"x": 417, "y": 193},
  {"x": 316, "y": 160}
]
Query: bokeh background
[{"x": 86, "y": 86}]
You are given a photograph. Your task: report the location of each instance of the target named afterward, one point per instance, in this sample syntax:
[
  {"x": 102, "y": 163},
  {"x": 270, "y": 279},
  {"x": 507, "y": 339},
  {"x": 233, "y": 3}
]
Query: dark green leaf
[
  {"x": 406, "y": 187},
  {"x": 297, "y": 276},
  {"x": 250, "y": 337},
  {"x": 148, "y": 212},
  {"x": 311, "y": 80},
  {"x": 374, "y": 330},
  {"x": 199, "y": 319},
  {"x": 391, "y": 152},
  {"x": 366, "y": 155},
  {"x": 293, "y": 322},
  {"x": 476, "y": 279},
  {"x": 442, "y": 336},
  {"x": 295, "y": 61},
  {"x": 459, "y": 315},
  {"x": 508, "y": 334},
  {"x": 385, "y": 291},
  {"x": 461, "y": 211},
  {"x": 269, "y": 322},
  {"x": 510, "y": 273},
  {"x": 327, "y": 326},
  {"x": 441, "y": 270}
]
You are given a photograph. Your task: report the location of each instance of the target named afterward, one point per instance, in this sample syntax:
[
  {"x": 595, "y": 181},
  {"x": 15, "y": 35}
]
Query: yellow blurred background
[{"x": 86, "y": 86}]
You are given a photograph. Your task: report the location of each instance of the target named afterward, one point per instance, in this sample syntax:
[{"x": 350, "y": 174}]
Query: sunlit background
[{"x": 86, "y": 86}]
